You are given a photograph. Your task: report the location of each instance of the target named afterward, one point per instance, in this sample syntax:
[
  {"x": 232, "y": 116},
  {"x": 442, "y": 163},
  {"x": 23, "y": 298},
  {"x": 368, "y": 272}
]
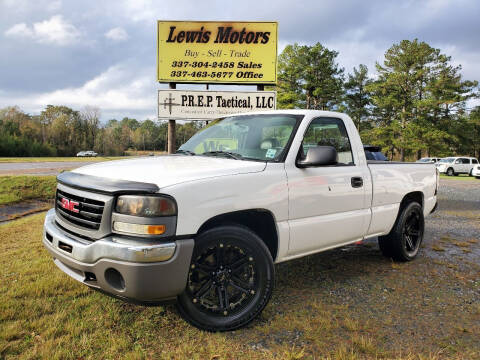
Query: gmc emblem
[{"x": 70, "y": 205}]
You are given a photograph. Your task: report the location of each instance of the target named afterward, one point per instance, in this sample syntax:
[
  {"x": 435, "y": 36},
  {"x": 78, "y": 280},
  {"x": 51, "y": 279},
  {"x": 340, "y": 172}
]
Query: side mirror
[{"x": 318, "y": 156}]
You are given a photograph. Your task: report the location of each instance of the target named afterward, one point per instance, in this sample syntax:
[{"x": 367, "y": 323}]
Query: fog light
[{"x": 139, "y": 228}]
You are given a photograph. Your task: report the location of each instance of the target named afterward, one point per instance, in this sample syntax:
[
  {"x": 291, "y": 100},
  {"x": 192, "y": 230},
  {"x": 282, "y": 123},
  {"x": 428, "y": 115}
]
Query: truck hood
[{"x": 170, "y": 169}]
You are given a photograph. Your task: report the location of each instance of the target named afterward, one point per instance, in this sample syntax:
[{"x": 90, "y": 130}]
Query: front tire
[
  {"x": 230, "y": 281},
  {"x": 403, "y": 242},
  {"x": 450, "y": 172}
]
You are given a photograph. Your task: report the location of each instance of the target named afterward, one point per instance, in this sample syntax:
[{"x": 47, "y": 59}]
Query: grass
[
  {"x": 14, "y": 189},
  {"x": 336, "y": 305},
  {"x": 459, "y": 177},
  {"x": 57, "y": 159}
]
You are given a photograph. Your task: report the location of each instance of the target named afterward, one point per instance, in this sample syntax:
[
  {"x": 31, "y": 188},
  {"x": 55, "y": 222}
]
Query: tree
[
  {"x": 309, "y": 77},
  {"x": 414, "y": 84},
  {"x": 357, "y": 97},
  {"x": 63, "y": 128},
  {"x": 290, "y": 93},
  {"x": 91, "y": 118}
]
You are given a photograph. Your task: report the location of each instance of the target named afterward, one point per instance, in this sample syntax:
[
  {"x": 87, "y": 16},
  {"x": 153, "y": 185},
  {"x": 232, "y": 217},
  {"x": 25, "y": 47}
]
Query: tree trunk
[{"x": 402, "y": 149}]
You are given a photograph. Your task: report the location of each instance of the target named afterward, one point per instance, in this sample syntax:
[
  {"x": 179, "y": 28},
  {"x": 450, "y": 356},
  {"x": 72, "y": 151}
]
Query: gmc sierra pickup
[{"x": 206, "y": 225}]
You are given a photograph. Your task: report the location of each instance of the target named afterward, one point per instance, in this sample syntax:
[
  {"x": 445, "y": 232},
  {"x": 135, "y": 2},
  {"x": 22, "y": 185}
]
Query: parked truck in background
[{"x": 206, "y": 226}]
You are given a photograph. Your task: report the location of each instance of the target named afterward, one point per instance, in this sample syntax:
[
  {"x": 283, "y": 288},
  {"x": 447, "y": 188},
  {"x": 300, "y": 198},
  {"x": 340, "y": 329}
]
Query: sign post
[
  {"x": 171, "y": 128},
  {"x": 213, "y": 52}
]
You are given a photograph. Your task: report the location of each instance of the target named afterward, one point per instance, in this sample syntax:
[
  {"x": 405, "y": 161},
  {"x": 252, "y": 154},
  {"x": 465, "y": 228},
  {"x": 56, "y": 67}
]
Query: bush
[{"x": 11, "y": 145}]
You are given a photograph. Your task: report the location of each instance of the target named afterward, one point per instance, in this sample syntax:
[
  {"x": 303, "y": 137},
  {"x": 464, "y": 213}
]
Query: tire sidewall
[{"x": 247, "y": 240}]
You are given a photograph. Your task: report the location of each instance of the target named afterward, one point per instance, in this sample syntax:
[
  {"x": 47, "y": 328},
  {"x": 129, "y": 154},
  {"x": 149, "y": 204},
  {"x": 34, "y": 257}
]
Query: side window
[
  {"x": 474, "y": 161},
  {"x": 465, "y": 161},
  {"x": 329, "y": 132}
]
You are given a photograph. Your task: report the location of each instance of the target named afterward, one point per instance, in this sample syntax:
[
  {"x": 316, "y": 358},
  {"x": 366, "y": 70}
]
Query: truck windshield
[
  {"x": 246, "y": 137},
  {"x": 446, "y": 160}
]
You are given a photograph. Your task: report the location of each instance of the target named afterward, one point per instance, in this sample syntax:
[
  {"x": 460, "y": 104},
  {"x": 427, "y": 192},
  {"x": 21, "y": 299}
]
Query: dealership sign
[
  {"x": 207, "y": 105},
  {"x": 217, "y": 52}
]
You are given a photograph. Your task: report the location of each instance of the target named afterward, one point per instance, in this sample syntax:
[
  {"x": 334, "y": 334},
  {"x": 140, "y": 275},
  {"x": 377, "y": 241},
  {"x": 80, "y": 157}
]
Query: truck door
[{"x": 328, "y": 205}]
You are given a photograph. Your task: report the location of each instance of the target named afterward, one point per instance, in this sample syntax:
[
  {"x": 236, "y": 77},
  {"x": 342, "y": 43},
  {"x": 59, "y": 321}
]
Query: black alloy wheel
[
  {"x": 412, "y": 232},
  {"x": 230, "y": 279},
  {"x": 404, "y": 240}
]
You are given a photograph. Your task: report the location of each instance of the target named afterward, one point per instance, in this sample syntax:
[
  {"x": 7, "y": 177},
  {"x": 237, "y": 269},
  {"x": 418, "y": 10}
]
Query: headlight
[
  {"x": 139, "y": 229},
  {"x": 145, "y": 206}
]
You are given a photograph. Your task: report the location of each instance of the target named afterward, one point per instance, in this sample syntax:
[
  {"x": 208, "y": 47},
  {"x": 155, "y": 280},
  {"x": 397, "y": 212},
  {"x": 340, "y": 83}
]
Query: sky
[{"x": 103, "y": 53}]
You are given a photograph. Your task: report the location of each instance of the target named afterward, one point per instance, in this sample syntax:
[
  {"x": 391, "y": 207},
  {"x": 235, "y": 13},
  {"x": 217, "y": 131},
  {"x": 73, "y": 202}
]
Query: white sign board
[{"x": 207, "y": 105}]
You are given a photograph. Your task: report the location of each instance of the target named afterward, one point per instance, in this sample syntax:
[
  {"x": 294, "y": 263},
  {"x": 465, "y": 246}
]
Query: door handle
[{"x": 357, "y": 182}]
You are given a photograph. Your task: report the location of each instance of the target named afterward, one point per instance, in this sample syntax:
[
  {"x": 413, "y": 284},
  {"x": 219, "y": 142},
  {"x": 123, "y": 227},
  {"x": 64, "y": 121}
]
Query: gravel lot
[{"x": 429, "y": 306}]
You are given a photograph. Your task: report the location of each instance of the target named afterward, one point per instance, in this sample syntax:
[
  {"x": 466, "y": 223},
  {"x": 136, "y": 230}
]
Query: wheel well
[
  {"x": 416, "y": 196},
  {"x": 259, "y": 221}
]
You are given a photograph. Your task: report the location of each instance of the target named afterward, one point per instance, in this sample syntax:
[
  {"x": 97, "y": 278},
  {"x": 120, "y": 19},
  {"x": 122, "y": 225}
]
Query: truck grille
[{"x": 80, "y": 211}]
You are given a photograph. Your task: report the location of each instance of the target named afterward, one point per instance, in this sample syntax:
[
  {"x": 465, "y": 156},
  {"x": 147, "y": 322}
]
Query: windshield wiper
[
  {"x": 187, "y": 152},
  {"x": 228, "y": 153}
]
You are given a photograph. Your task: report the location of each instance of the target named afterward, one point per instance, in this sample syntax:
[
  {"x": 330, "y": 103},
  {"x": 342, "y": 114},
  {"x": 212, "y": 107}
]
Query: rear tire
[
  {"x": 403, "y": 242},
  {"x": 230, "y": 281}
]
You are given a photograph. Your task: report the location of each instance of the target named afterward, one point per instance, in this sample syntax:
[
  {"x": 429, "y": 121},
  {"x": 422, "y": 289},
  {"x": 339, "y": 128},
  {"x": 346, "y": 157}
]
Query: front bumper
[{"x": 137, "y": 269}]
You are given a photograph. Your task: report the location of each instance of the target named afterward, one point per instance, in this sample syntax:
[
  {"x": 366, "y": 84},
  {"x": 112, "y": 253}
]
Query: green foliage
[
  {"x": 11, "y": 145},
  {"x": 357, "y": 97},
  {"x": 415, "y": 106},
  {"x": 60, "y": 130},
  {"x": 418, "y": 100},
  {"x": 309, "y": 77}
]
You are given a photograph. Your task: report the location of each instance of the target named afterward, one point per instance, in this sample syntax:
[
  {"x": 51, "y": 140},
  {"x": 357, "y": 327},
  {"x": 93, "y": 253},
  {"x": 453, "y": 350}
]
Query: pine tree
[
  {"x": 309, "y": 77},
  {"x": 357, "y": 97}
]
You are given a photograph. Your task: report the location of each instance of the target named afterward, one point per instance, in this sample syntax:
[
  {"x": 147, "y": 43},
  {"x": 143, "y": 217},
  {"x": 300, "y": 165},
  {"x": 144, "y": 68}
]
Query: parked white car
[
  {"x": 476, "y": 171},
  {"x": 205, "y": 226},
  {"x": 87, "y": 153},
  {"x": 429, "y": 160},
  {"x": 453, "y": 166}
]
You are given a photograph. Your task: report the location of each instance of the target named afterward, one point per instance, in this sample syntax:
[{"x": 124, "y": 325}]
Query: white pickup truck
[{"x": 205, "y": 226}]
